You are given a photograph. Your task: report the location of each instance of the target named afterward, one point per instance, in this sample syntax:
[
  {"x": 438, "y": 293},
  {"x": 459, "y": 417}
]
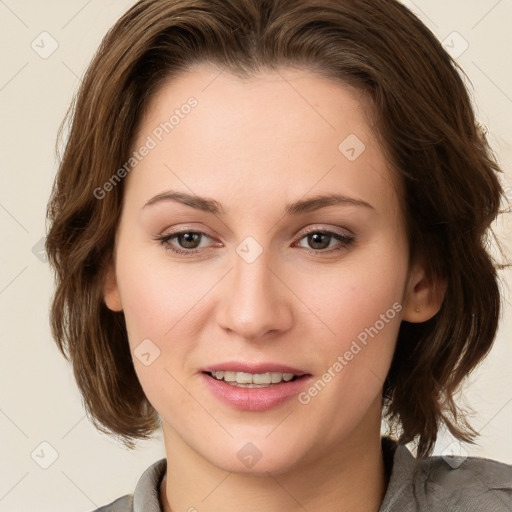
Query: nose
[{"x": 257, "y": 301}]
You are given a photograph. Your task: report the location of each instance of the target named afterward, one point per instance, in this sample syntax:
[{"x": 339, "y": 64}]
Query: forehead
[
  {"x": 273, "y": 137},
  {"x": 264, "y": 101}
]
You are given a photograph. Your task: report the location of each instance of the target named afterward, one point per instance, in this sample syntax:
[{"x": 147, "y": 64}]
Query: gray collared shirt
[{"x": 430, "y": 484}]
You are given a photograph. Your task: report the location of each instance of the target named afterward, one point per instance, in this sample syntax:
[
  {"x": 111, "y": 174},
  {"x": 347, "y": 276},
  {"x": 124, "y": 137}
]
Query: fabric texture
[{"x": 432, "y": 484}]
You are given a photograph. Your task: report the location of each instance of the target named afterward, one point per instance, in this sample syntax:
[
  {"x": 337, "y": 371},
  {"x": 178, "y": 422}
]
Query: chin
[{"x": 256, "y": 457}]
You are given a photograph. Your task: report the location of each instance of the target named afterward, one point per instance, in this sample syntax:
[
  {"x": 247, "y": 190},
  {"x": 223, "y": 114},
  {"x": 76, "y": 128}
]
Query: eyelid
[
  {"x": 320, "y": 228},
  {"x": 164, "y": 240},
  {"x": 303, "y": 232},
  {"x": 185, "y": 229},
  {"x": 346, "y": 239}
]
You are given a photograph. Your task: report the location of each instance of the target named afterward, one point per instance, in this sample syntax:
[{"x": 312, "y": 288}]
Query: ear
[
  {"x": 111, "y": 291},
  {"x": 424, "y": 296}
]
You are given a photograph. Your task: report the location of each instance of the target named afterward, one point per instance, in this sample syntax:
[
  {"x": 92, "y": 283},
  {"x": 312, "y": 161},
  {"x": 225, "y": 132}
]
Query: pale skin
[{"x": 254, "y": 146}]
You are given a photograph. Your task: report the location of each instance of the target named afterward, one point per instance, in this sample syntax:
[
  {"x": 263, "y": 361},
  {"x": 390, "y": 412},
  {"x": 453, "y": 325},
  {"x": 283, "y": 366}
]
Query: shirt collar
[{"x": 399, "y": 462}]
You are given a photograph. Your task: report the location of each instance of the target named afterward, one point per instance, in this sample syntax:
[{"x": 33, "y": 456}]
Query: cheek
[
  {"x": 160, "y": 305},
  {"x": 359, "y": 308},
  {"x": 354, "y": 295},
  {"x": 163, "y": 298},
  {"x": 158, "y": 296}
]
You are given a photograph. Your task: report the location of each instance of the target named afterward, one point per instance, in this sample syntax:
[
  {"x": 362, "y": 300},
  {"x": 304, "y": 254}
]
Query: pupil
[
  {"x": 314, "y": 240},
  {"x": 190, "y": 238}
]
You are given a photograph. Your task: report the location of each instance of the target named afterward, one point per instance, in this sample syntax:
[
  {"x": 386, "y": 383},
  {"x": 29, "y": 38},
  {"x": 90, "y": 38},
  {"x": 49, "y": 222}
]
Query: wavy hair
[{"x": 423, "y": 117}]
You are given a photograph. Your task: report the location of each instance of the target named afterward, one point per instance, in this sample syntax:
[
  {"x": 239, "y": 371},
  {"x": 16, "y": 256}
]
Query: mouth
[
  {"x": 254, "y": 386},
  {"x": 253, "y": 380}
]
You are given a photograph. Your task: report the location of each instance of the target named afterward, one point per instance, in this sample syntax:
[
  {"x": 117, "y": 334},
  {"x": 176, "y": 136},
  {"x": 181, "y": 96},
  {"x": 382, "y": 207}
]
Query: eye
[
  {"x": 188, "y": 240},
  {"x": 319, "y": 240}
]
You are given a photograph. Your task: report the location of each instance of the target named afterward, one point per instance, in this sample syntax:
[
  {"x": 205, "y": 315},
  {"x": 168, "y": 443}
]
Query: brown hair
[{"x": 426, "y": 126}]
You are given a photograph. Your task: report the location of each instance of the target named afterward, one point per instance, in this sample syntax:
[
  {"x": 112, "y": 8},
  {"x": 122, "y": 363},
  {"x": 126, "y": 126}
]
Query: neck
[{"x": 349, "y": 478}]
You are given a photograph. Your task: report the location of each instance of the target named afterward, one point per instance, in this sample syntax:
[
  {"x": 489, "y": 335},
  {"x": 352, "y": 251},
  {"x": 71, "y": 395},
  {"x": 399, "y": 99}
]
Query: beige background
[{"x": 39, "y": 401}]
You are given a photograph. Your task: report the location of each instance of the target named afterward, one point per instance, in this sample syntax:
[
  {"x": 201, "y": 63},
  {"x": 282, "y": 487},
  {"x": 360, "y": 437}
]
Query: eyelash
[{"x": 346, "y": 241}]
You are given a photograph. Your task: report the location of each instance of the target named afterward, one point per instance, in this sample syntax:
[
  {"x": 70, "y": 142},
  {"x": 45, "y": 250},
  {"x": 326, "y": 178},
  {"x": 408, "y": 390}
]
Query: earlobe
[
  {"x": 111, "y": 291},
  {"x": 424, "y": 296}
]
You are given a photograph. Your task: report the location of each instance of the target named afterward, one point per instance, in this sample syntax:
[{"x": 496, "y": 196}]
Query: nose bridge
[{"x": 256, "y": 301}]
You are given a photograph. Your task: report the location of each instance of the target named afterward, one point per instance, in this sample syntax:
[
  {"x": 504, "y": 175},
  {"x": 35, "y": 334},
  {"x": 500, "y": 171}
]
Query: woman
[{"x": 268, "y": 230}]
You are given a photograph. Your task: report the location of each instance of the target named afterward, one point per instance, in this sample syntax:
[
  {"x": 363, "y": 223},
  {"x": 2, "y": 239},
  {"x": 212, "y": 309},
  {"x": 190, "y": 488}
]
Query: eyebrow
[{"x": 296, "y": 208}]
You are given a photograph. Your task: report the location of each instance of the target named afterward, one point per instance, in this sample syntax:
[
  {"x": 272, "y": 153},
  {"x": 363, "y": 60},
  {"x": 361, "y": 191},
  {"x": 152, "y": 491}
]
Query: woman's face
[{"x": 267, "y": 281}]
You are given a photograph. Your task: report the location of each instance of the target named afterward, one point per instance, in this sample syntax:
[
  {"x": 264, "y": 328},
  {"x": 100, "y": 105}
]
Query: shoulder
[
  {"x": 440, "y": 483},
  {"x": 146, "y": 495},
  {"x": 465, "y": 483}
]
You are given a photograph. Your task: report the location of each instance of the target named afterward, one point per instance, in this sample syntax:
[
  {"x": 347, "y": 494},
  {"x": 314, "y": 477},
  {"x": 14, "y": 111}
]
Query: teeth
[
  {"x": 252, "y": 380},
  {"x": 244, "y": 378},
  {"x": 262, "y": 378},
  {"x": 229, "y": 376},
  {"x": 277, "y": 377}
]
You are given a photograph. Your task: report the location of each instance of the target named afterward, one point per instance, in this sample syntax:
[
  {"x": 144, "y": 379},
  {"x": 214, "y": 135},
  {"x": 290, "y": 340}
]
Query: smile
[
  {"x": 252, "y": 380},
  {"x": 254, "y": 391}
]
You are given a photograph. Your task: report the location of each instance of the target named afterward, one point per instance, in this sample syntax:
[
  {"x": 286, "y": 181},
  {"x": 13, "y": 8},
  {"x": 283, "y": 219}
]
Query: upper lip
[{"x": 238, "y": 366}]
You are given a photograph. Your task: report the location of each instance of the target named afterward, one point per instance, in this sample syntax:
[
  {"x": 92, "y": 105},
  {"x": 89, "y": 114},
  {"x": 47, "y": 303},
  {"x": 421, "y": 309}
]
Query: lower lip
[{"x": 254, "y": 399}]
